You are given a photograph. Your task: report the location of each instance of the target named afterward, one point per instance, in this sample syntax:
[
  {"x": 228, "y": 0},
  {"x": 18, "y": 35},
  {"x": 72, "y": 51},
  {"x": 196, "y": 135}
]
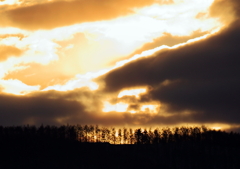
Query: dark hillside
[{"x": 44, "y": 147}]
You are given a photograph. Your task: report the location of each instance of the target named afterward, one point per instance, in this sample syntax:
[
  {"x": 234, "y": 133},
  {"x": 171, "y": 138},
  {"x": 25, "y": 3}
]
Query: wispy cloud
[{"x": 61, "y": 13}]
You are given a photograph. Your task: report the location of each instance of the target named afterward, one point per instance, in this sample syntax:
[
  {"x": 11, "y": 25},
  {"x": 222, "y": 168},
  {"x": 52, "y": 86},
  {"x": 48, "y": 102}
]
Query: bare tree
[
  {"x": 97, "y": 131},
  {"x": 120, "y": 136},
  {"x": 125, "y": 135},
  {"x": 86, "y": 131},
  {"x": 105, "y": 134},
  {"x": 131, "y": 136},
  {"x": 113, "y": 135},
  {"x": 91, "y": 133},
  {"x": 156, "y": 137},
  {"x": 138, "y": 136}
]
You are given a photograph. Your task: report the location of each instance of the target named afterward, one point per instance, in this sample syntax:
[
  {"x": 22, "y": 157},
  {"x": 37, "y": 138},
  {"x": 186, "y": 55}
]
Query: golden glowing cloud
[
  {"x": 132, "y": 92},
  {"x": 119, "y": 107},
  {"x": 9, "y": 2},
  {"x": 8, "y": 51},
  {"x": 67, "y": 58},
  {"x": 103, "y": 42},
  {"x": 16, "y": 87},
  {"x": 150, "y": 108},
  {"x": 53, "y": 14}
]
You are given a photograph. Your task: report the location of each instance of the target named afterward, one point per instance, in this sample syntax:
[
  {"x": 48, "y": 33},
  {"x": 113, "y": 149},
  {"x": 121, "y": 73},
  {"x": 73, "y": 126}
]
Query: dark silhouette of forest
[{"x": 89, "y": 146}]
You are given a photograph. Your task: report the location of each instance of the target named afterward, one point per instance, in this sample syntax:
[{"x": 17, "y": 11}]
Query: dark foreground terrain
[{"x": 39, "y": 151}]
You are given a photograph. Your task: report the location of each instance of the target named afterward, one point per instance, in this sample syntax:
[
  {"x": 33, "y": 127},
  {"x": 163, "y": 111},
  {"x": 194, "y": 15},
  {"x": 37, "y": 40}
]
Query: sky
[{"x": 120, "y": 63}]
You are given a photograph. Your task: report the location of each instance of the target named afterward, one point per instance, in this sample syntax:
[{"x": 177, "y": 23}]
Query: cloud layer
[
  {"x": 62, "y": 13},
  {"x": 8, "y": 51},
  {"x": 51, "y": 51},
  {"x": 202, "y": 77}
]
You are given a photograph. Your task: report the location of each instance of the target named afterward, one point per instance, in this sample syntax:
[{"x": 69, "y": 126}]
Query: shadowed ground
[{"x": 217, "y": 150}]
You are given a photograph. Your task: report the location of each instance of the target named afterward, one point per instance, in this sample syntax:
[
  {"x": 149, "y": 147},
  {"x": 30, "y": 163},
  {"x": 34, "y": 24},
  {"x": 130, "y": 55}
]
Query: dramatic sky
[{"x": 120, "y": 62}]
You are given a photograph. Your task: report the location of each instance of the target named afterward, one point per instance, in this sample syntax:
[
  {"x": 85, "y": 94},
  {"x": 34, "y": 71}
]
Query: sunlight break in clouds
[
  {"x": 62, "y": 51},
  {"x": 9, "y": 2},
  {"x": 119, "y": 107},
  {"x": 130, "y": 32},
  {"x": 132, "y": 92},
  {"x": 16, "y": 87}
]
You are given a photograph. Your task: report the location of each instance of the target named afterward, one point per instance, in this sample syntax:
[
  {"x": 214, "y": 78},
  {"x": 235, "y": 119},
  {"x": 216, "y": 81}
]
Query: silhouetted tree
[
  {"x": 125, "y": 135},
  {"x": 138, "y": 136},
  {"x": 80, "y": 133},
  {"x": 107, "y": 131},
  {"x": 71, "y": 132},
  {"x": 120, "y": 136},
  {"x": 157, "y": 136},
  {"x": 164, "y": 135},
  {"x": 86, "y": 131},
  {"x": 145, "y": 137},
  {"x": 151, "y": 136},
  {"x": 176, "y": 134},
  {"x": 113, "y": 136},
  {"x": 131, "y": 136},
  {"x": 97, "y": 131},
  {"x": 105, "y": 134},
  {"x": 91, "y": 133}
]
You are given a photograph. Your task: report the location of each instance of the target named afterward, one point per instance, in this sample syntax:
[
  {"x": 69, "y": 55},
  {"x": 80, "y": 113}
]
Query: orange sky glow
[{"x": 63, "y": 50}]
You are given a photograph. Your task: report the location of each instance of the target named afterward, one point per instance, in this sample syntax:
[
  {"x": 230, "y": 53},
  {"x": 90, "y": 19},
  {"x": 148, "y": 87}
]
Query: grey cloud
[
  {"x": 50, "y": 107},
  {"x": 202, "y": 77},
  {"x": 19, "y": 110}
]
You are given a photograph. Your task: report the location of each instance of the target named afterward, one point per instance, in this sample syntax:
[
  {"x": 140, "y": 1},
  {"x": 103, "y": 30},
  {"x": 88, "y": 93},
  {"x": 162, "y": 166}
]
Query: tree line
[
  {"x": 92, "y": 146},
  {"x": 112, "y": 135}
]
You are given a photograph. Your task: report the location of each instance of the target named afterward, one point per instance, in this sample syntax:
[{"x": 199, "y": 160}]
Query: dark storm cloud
[
  {"x": 90, "y": 99},
  {"x": 79, "y": 106},
  {"x": 19, "y": 110},
  {"x": 202, "y": 77}
]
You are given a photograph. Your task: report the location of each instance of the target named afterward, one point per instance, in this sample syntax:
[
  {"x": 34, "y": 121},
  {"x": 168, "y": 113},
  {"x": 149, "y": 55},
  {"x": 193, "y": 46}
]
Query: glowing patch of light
[
  {"x": 10, "y": 2},
  {"x": 216, "y": 128},
  {"x": 119, "y": 107},
  {"x": 16, "y": 87},
  {"x": 132, "y": 111},
  {"x": 149, "y": 53},
  {"x": 130, "y": 32},
  {"x": 86, "y": 79},
  {"x": 74, "y": 84},
  {"x": 132, "y": 92},
  {"x": 150, "y": 108}
]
